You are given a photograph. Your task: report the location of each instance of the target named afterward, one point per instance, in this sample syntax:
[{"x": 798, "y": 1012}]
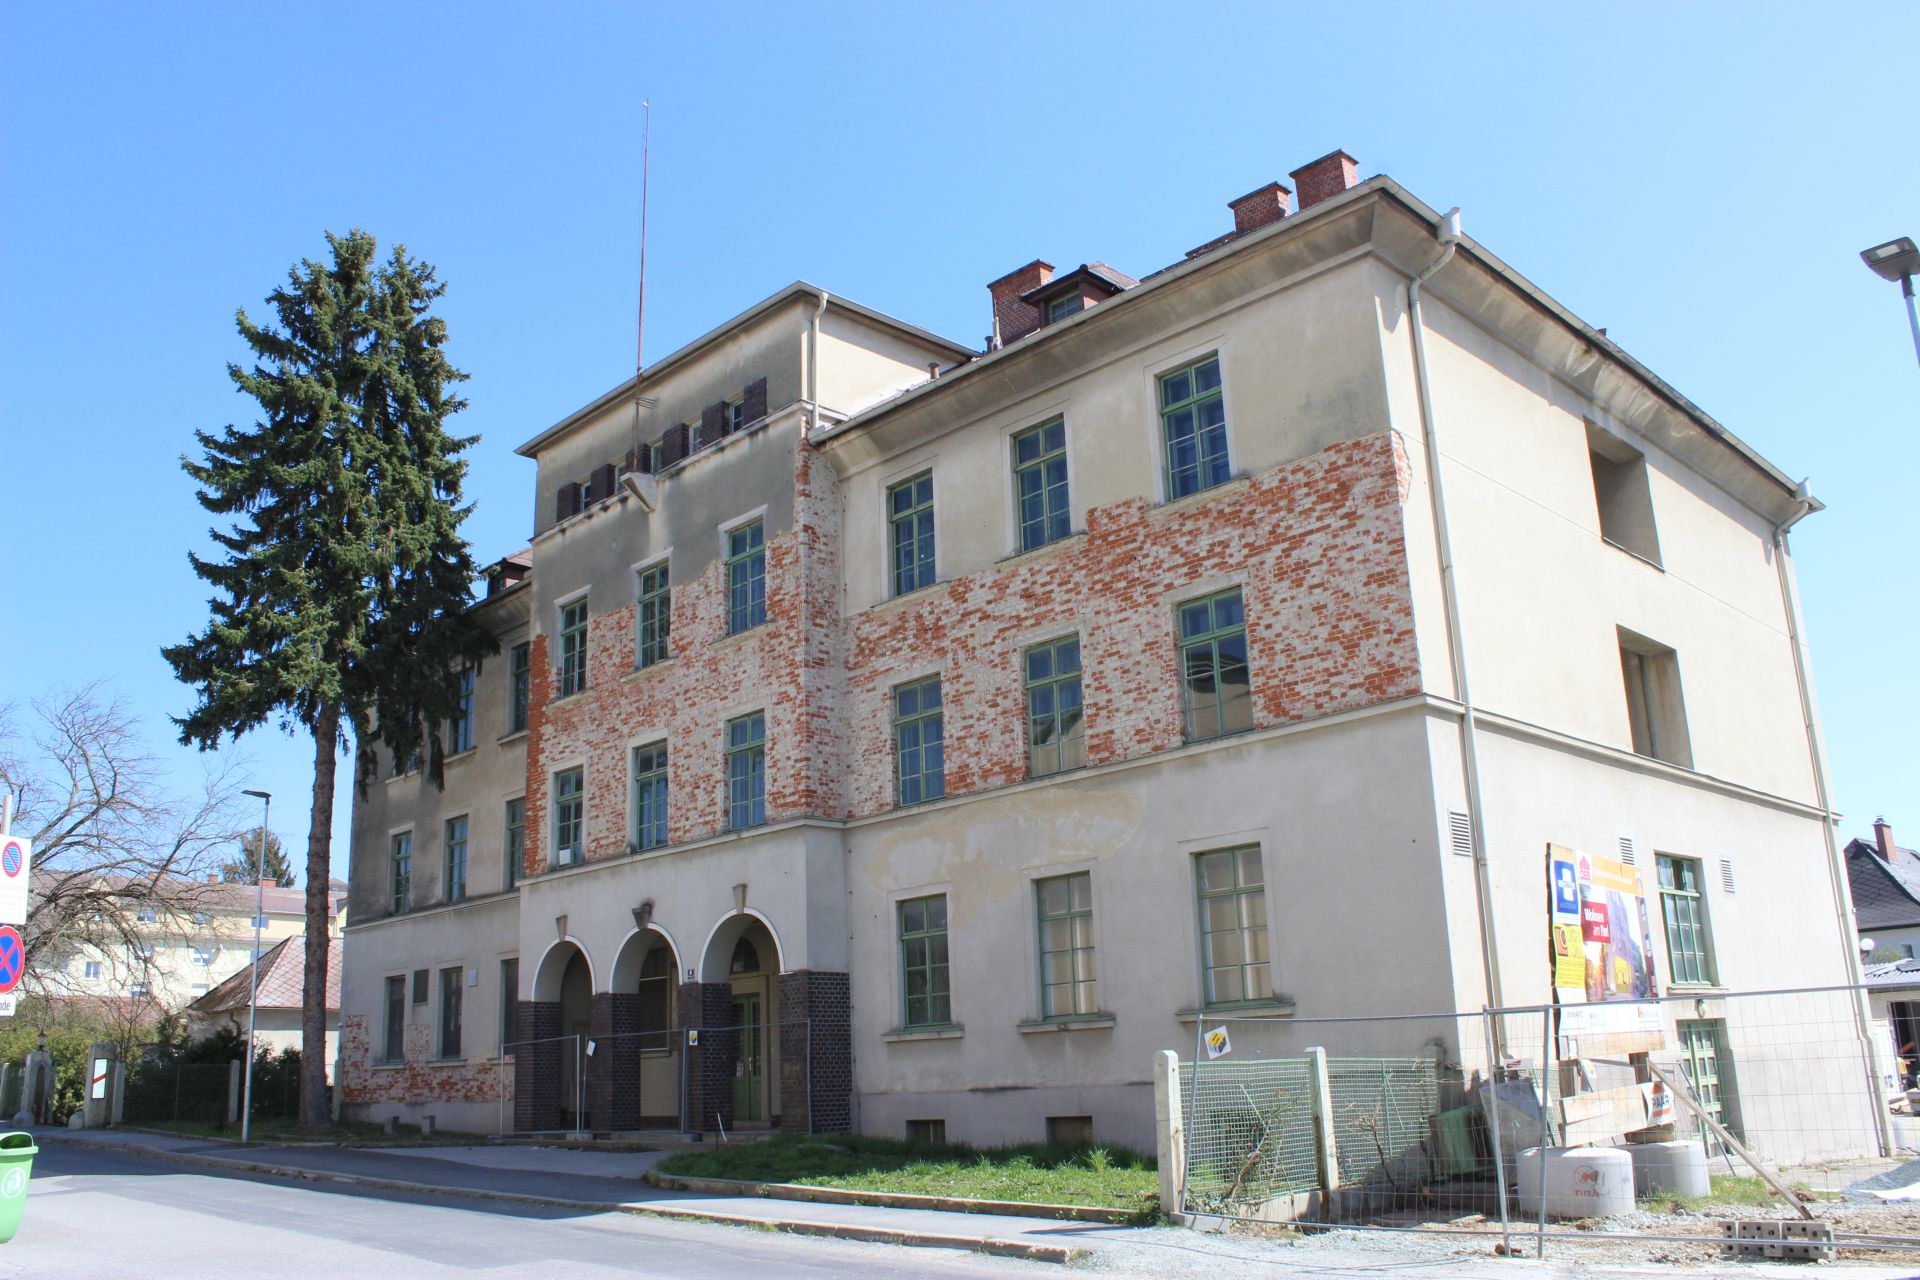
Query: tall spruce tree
[
  {"x": 340, "y": 599},
  {"x": 249, "y": 863}
]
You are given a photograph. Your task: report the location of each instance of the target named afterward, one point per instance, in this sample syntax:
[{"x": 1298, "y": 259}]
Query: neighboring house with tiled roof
[
  {"x": 277, "y": 1004},
  {"x": 1885, "y": 881}
]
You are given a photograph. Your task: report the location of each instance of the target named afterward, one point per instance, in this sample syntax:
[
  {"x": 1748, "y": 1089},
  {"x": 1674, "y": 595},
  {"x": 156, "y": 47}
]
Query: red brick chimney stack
[
  {"x": 1012, "y": 318},
  {"x": 1259, "y": 208},
  {"x": 1325, "y": 178},
  {"x": 1883, "y": 839}
]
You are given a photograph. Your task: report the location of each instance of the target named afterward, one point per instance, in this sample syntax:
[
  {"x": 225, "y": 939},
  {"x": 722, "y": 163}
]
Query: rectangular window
[
  {"x": 402, "y": 881},
  {"x": 1656, "y": 713},
  {"x": 655, "y": 616},
  {"x": 509, "y": 1001},
  {"x": 520, "y": 691},
  {"x": 456, "y": 858},
  {"x": 910, "y": 522},
  {"x": 199, "y": 989},
  {"x": 395, "y": 1048},
  {"x": 451, "y": 983},
  {"x": 1684, "y": 909},
  {"x": 747, "y": 771},
  {"x": 1070, "y": 1131},
  {"x": 138, "y": 991},
  {"x": 203, "y": 955},
  {"x": 927, "y": 1133},
  {"x": 514, "y": 846},
  {"x": 650, "y": 795},
  {"x": 93, "y": 968},
  {"x": 1193, "y": 422},
  {"x": 1040, "y": 484},
  {"x": 1068, "y": 988},
  {"x": 147, "y": 915},
  {"x": 746, "y": 577},
  {"x": 919, "y": 741},
  {"x": 1622, "y": 495},
  {"x": 1056, "y": 737},
  {"x": 460, "y": 728},
  {"x": 923, "y": 961},
  {"x": 1233, "y": 926},
  {"x": 143, "y": 950},
  {"x": 569, "y": 813},
  {"x": 1213, "y": 666},
  {"x": 573, "y": 647},
  {"x": 1061, "y": 308},
  {"x": 734, "y": 415}
]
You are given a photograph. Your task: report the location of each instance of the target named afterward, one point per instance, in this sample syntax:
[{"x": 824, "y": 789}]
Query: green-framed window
[
  {"x": 746, "y": 577},
  {"x": 654, "y": 615},
  {"x": 1708, "y": 1068},
  {"x": 1040, "y": 484},
  {"x": 923, "y": 962},
  {"x": 400, "y": 883},
  {"x": 747, "y": 771},
  {"x": 650, "y": 795},
  {"x": 910, "y": 526},
  {"x": 514, "y": 845},
  {"x": 573, "y": 647},
  {"x": 460, "y": 728},
  {"x": 520, "y": 686},
  {"x": 1056, "y": 737},
  {"x": 1061, "y": 308},
  {"x": 569, "y": 817},
  {"x": 1068, "y": 985},
  {"x": 1233, "y": 925},
  {"x": 919, "y": 741},
  {"x": 1213, "y": 666},
  {"x": 1684, "y": 908},
  {"x": 1193, "y": 426},
  {"x": 456, "y": 858}
]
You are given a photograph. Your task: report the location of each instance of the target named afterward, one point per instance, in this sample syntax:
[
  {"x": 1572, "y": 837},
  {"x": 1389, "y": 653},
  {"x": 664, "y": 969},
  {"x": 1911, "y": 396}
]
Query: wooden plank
[
  {"x": 1607, "y": 1113},
  {"x": 1686, "y": 1099}
]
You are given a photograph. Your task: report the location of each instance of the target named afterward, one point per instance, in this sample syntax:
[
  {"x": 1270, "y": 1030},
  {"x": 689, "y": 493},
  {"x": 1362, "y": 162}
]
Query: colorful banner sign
[{"x": 1598, "y": 908}]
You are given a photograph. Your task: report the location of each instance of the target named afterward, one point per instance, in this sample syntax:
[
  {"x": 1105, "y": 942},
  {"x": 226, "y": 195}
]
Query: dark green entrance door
[{"x": 749, "y": 1068}]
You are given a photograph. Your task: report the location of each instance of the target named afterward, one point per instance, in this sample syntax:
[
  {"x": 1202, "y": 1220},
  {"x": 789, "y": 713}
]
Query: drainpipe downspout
[
  {"x": 813, "y": 367},
  {"x": 1816, "y": 756},
  {"x": 1449, "y": 239}
]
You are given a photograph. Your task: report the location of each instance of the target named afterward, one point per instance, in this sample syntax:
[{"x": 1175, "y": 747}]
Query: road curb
[
  {"x": 993, "y": 1245},
  {"x": 899, "y": 1200}
]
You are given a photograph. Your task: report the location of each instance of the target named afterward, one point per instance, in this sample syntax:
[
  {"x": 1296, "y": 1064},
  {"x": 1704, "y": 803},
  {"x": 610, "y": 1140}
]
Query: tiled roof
[
  {"x": 1894, "y": 973},
  {"x": 218, "y": 897},
  {"x": 282, "y": 980},
  {"x": 1885, "y": 894}
]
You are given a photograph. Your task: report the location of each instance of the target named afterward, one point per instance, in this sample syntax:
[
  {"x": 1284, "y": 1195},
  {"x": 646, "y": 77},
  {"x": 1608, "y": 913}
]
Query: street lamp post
[
  {"x": 1898, "y": 260},
  {"x": 253, "y": 974}
]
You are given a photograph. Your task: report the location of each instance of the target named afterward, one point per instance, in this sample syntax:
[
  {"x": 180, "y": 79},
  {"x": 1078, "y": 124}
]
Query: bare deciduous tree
[{"x": 117, "y": 860}]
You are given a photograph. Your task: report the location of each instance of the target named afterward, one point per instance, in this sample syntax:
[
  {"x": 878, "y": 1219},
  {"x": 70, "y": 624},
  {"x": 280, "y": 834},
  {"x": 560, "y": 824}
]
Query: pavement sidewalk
[{"x": 595, "y": 1182}]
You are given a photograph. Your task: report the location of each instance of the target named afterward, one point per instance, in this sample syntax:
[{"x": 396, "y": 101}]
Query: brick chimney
[
  {"x": 268, "y": 882},
  {"x": 1257, "y": 209},
  {"x": 1883, "y": 839},
  {"x": 1325, "y": 178},
  {"x": 1014, "y": 319}
]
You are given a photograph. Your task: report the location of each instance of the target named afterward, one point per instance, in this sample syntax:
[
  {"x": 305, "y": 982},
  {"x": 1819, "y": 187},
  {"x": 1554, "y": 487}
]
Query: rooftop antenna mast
[{"x": 640, "y": 312}]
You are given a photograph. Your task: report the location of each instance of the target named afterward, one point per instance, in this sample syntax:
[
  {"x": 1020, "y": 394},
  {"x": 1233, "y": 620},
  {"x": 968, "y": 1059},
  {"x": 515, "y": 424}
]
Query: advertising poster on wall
[{"x": 1601, "y": 932}]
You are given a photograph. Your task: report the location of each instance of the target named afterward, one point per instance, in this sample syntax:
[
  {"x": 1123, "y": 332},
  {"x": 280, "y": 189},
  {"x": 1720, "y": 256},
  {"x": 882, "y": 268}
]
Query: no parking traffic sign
[
  {"x": 13, "y": 958},
  {"x": 16, "y": 858}
]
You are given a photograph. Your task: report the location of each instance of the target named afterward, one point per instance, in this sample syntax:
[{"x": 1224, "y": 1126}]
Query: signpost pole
[{"x": 253, "y": 974}]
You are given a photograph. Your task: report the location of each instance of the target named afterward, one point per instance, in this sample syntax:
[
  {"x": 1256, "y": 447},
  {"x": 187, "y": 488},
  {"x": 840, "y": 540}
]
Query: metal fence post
[
  {"x": 1547, "y": 1056},
  {"x": 810, "y": 1129},
  {"x": 1494, "y": 1072},
  {"x": 233, "y": 1091},
  {"x": 1327, "y": 1158}
]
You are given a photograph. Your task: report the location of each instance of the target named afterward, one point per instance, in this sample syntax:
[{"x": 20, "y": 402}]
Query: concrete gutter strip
[
  {"x": 898, "y": 1200},
  {"x": 995, "y": 1246}
]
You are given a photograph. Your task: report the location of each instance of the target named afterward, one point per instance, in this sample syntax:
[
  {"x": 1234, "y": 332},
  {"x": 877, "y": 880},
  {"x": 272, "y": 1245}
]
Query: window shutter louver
[
  {"x": 602, "y": 482},
  {"x": 713, "y": 424},
  {"x": 756, "y": 401},
  {"x": 1627, "y": 852},
  {"x": 673, "y": 447},
  {"x": 567, "y": 501}
]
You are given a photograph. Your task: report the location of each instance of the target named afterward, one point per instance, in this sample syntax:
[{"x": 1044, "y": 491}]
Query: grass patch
[
  {"x": 347, "y": 1133},
  {"x": 1730, "y": 1190},
  {"x": 1034, "y": 1174}
]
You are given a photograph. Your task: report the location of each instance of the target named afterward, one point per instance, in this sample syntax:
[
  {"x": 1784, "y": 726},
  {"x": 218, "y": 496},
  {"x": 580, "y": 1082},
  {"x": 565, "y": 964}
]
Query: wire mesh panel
[
  {"x": 1384, "y": 1112},
  {"x": 1249, "y": 1134}
]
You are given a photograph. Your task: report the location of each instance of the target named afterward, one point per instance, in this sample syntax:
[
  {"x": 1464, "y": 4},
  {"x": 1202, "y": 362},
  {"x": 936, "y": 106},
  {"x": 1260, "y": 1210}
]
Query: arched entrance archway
[
  {"x": 740, "y": 1051},
  {"x": 634, "y": 1075},
  {"x": 554, "y": 1025}
]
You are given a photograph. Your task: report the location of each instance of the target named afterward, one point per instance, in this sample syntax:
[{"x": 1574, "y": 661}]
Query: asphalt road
[{"x": 94, "y": 1213}]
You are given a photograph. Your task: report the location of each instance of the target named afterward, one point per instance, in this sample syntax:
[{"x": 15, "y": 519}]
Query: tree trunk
[{"x": 314, "y": 1112}]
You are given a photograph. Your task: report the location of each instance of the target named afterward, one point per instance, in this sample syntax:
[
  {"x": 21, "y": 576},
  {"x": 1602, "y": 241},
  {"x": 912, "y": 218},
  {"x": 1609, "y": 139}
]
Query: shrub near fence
[{"x": 169, "y": 1091}]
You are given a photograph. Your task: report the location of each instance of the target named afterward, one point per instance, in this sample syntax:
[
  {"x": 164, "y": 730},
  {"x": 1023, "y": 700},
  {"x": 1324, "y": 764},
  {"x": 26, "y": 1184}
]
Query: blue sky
[{"x": 1696, "y": 178}]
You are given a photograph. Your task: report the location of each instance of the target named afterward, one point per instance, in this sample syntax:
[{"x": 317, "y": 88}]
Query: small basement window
[
  {"x": 1621, "y": 492},
  {"x": 1655, "y": 710},
  {"x": 1069, "y": 1131},
  {"x": 927, "y": 1133}
]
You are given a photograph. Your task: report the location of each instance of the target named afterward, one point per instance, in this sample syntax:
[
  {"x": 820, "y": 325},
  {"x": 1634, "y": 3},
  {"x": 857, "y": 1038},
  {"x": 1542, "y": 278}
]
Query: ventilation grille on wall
[
  {"x": 1628, "y": 854},
  {"x": 1460, "y": 833},
  {"x": 1726, "y": 875}
]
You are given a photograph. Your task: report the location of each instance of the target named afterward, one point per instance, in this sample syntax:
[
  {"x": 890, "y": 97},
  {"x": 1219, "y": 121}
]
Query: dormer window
[
  {"x": 1054, "y": 300},
  {"x": 1060, "y": 308}
]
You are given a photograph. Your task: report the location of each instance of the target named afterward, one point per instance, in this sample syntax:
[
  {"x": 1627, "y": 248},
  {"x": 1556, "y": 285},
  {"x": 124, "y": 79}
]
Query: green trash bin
[{"x": 16, "y": 1166}]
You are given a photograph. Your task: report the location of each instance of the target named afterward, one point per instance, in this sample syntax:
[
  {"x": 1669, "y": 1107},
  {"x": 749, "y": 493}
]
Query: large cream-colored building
[
  {"x": 187, "y": 948},
  {"x": 897, "y": 736}
]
